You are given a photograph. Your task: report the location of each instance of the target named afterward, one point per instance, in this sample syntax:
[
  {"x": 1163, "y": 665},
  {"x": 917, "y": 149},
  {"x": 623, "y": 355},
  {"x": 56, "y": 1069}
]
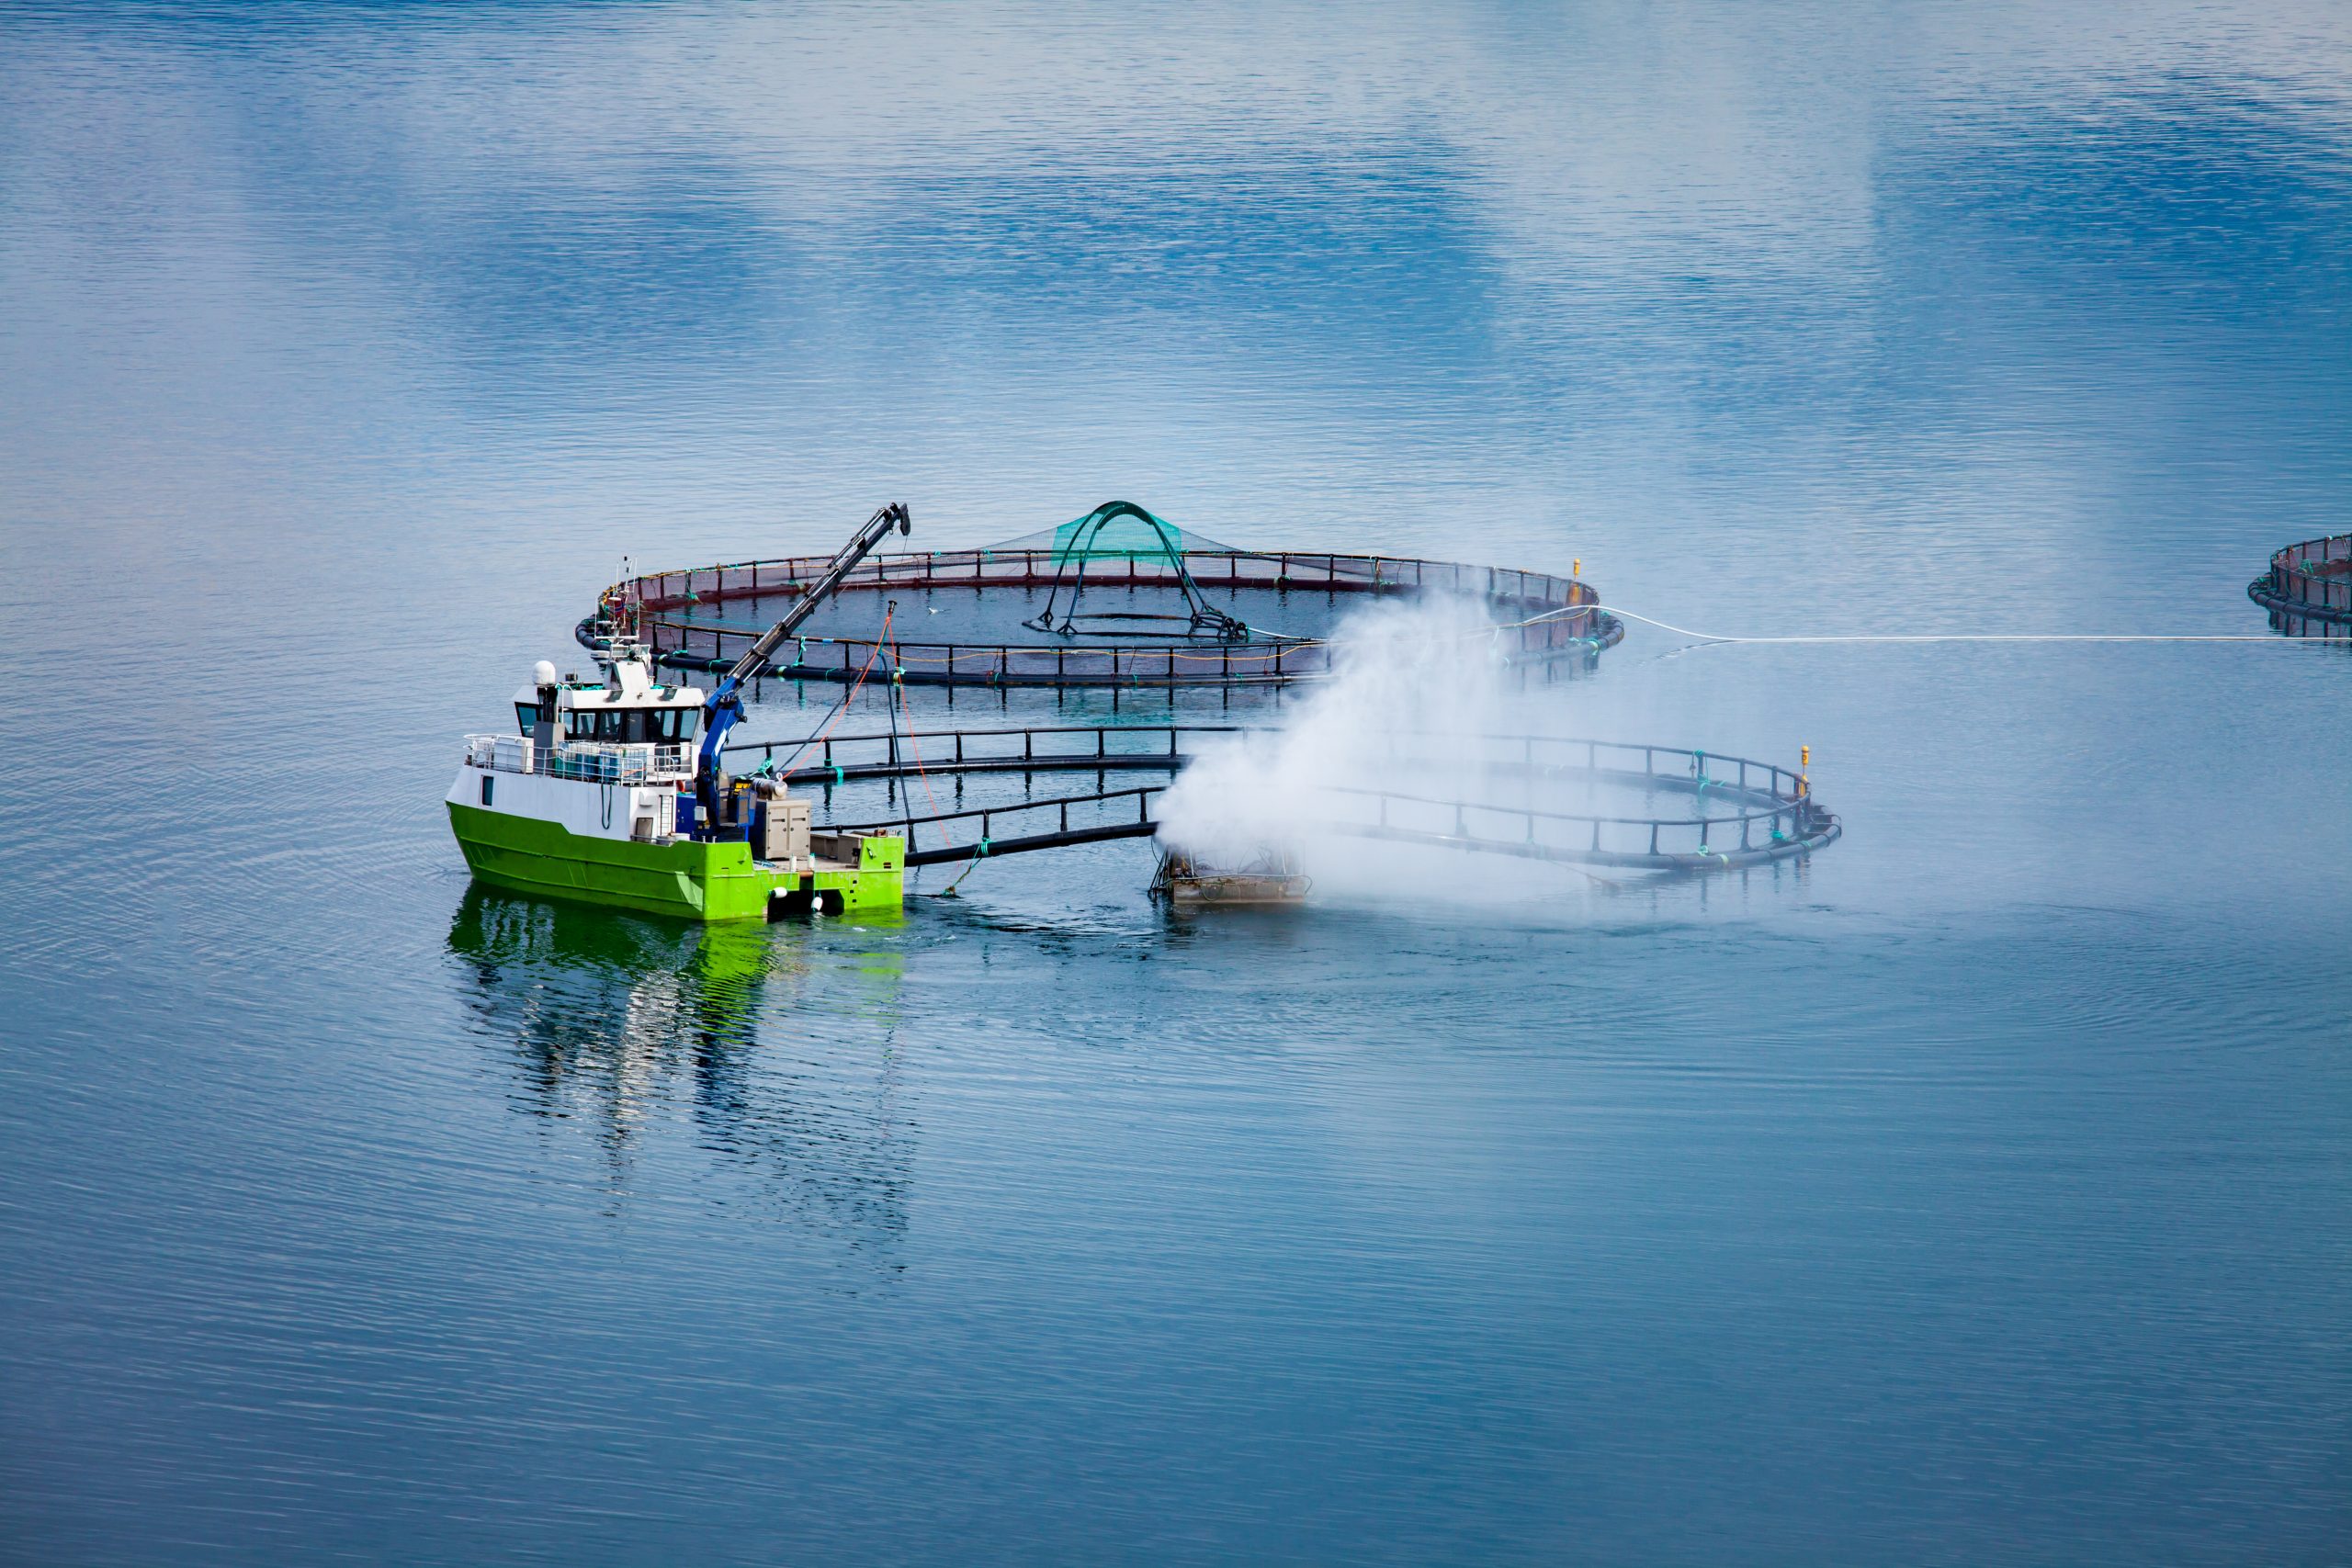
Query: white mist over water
[{"x": 1426, "y": 678}]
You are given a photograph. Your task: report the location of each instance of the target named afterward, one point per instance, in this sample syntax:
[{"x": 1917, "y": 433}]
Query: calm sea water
[{"x": 1979, "y": 1192}]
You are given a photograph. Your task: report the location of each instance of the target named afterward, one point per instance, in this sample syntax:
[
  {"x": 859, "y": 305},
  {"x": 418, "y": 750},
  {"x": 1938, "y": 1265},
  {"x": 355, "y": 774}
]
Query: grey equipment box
[
  {"x": 787, "y": 831},
  {"x": 842, "y": 849}
]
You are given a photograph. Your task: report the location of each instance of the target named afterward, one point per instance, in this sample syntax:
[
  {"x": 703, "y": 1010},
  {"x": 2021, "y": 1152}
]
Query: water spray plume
[{"x": 1431, "y": 669}]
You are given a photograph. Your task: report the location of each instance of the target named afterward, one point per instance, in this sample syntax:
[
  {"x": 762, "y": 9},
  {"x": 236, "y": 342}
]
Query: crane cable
[
  {"x": 841, "y": 707},
  {"x": 897, "y": 696},
  {"x": 912, "y": 744}
]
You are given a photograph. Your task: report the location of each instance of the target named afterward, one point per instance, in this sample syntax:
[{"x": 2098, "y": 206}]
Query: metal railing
[
  {"x": 2312, "y": 579},
  {"x": 984, "y": 751},
  {"x": 1769, "y": 812},
  {"x": 1335, "y": 572},
  {"x": 1563, "y": 835},
  {"x": 1141, "y": 826},
  {"x": 1048, "y": 746},
  {"x": 504, "y": 753},
  {"x": 598, "y": 760},
  {"x": 1679, "y": 769},
  {"x": 684, "y": 640}
]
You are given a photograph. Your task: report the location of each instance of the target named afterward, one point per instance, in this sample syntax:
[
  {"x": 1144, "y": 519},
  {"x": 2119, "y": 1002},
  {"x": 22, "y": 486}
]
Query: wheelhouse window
[
  {"x": 527, "y": 716},
  {"x": 593, "y": 724},
  {"x": 633, "y": 727}
]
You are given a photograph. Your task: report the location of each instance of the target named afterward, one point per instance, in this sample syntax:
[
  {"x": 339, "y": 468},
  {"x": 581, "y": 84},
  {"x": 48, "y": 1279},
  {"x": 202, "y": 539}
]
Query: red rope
[
  {"x": 852, "y": 698},
  {"x": 912, "y": 744}
]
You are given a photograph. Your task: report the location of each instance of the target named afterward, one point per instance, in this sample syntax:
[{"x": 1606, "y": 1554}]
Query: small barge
[{"x": 1272, "y": 879}]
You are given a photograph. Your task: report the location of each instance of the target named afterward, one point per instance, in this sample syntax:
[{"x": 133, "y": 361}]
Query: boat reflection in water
[{"x": 641, "y": 1031}]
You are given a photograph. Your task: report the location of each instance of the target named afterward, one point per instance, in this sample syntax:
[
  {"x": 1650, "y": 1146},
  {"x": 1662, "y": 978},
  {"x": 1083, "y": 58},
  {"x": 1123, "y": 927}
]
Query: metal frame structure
[
  {"x": 1202, "y": 619},
  {"x": 725, "y": 706},
  {"x": 1555, "y": 619},
  {"x": 1772, "y": 813},
  {"x": 2308, "y": 589}
]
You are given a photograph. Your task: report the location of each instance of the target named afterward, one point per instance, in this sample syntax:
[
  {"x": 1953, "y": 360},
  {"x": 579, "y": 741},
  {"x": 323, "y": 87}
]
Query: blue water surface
[{"x": 1979, "y": 1192}]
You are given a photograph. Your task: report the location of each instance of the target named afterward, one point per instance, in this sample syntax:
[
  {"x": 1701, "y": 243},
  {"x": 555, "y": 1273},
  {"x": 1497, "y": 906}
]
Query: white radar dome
[{"x": 543, "y": 673}]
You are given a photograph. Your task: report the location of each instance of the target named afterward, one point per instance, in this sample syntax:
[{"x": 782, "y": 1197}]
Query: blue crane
[{"x": 725, "y": 705}]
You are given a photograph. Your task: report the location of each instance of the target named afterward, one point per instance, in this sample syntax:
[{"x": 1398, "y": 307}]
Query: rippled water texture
[{"x": 1977, "y": 1192}]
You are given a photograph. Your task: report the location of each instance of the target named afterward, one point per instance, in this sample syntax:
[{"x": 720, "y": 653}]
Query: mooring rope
[
  {"x": 1542, "y": 617},
  {"x": 1699, "y": 639},
  {"x": 1919, "y": 637},
  {"x": 979, "y": 852}
]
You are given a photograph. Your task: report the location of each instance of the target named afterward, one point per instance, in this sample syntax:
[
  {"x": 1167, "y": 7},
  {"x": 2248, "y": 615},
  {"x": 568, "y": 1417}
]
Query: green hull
[{"x": 687, "y": 881}]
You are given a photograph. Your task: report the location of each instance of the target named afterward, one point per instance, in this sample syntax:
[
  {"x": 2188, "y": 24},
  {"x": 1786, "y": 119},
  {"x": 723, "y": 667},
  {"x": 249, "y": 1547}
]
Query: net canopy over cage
[
  {"x": 1127, "y": 535},
  {"x": 1122, "y": 532}
]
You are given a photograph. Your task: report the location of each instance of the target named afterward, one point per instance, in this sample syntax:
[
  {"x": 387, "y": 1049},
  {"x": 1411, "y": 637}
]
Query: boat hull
[{"x": 679, "y": 878}]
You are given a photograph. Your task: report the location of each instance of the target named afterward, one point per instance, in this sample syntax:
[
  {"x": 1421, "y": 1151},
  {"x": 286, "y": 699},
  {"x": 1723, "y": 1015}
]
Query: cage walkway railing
[
  {"x": 1283, "y": 570},
  {"x": 1018, "y": 749},
  {"x": 1762, "y": 835},
  {"x": 661, "y": 608},
  {"x": 1142, "y": 826},
  {"x": 885, "y": 753},
  {"x": 1774, "y": 815},
  {"x": 2310, "y": 582},
  {"x": 696, "y": 647}
]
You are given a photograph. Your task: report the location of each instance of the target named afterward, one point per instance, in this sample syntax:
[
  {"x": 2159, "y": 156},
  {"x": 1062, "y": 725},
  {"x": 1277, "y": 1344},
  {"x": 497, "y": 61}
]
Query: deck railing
[{"x": 600, "y": 761}]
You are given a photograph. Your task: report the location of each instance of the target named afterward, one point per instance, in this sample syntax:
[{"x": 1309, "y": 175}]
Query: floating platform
[
  {"x": 1074, "y": 609},
  {"x": 1273, "y": 880},
  {"x": 2308, "y": 589},
  {"x": 1744, "y": 813}
]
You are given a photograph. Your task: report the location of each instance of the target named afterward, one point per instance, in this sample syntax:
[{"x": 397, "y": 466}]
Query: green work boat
[
  {"x": 593, "y": 799},
  {"x": 602, "y": 796}
]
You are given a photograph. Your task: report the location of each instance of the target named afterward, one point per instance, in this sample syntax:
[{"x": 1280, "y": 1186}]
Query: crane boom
[
  {"x": 876, "y": 528},
  {"x": 726, "y": 704}
]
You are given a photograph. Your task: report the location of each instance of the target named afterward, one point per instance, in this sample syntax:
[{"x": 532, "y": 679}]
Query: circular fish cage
[
  {"x": 1115, "y": 599},
  {"x": 2308, "y": 589},
  {"x": 1571, "y": 801}
]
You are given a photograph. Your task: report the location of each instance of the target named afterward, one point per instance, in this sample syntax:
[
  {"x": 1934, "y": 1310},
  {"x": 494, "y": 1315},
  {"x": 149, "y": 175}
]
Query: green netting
[
  {"x": 1124, "y": 537},
  {"x": 1120, "y": 531}
]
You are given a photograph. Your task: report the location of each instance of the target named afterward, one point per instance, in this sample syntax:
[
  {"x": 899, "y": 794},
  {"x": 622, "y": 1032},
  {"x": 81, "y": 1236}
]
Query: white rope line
[
  {"x": 1925, "y": 636},
  {"x": 1711, "y": 638}
]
